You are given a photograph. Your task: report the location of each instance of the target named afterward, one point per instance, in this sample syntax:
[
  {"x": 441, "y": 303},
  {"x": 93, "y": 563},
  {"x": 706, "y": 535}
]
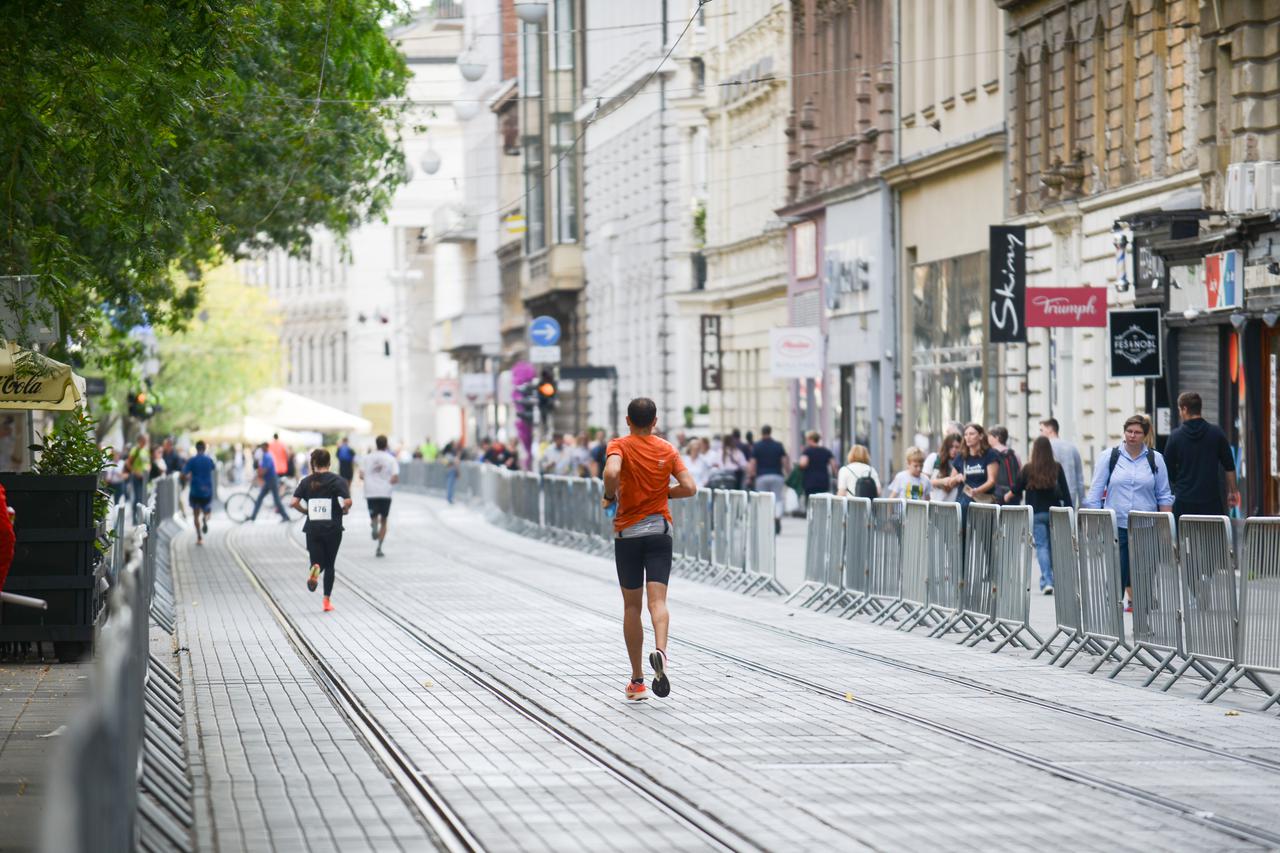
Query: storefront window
[
  {"x": 566, "y": 200},
  {"x": 948, "y": 314},
  {"x": 535, "y": 201}
]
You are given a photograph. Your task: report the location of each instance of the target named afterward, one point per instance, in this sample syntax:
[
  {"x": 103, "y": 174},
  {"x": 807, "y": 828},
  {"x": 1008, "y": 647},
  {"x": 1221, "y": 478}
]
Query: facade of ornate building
[
  {"x": 840, "y": 135},
  {"x": 1102, "y": 162},
  {"x": 739, "y": 275}
]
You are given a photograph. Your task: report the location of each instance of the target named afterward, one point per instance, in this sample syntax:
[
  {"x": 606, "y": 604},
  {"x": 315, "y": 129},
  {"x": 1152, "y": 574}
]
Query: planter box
[{"x": 54, "y": 559}]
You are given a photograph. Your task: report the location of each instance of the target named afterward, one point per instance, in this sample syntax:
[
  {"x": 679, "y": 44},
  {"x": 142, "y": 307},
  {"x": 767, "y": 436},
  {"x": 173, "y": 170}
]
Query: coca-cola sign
[{"x": 1049, "y": 307}]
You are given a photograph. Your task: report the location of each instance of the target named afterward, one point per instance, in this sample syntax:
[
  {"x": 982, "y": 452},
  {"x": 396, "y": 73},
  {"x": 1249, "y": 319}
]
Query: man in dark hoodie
[{"x": 1195, "y": 451}]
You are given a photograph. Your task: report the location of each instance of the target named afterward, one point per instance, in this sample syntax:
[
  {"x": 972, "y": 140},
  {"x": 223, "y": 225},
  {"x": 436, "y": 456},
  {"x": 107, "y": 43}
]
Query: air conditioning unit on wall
[{"x": 1253, "y": 187}]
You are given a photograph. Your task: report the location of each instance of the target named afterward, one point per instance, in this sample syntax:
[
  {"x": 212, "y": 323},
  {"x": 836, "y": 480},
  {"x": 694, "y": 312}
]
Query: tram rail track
[
  {"x": 1229, "y": 826},
  {"x": 659, "y": 795}
]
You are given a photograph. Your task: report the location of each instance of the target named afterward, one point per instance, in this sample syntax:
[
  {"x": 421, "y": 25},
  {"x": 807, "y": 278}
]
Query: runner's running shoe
[
  {"x": 636, "y": 691},
  {"x": 313, "y": 577},
  {"x": 661, "y": 686},
  {"x": 379, "y": 553},
  {"x": 373, "y": 530},
  {"x": 204, "y": 524},
  {"x": 328, "y": 605}
]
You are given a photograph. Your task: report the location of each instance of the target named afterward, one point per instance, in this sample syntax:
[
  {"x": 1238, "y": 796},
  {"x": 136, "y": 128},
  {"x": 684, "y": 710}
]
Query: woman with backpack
[
  {"x": 1043, "y": 485},
  {"x": 858, "y": 479},
  {"x": 1131, "y": 477}
]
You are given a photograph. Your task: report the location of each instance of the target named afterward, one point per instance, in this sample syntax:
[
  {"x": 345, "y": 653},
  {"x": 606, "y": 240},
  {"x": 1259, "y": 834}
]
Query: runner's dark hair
[
  {"x": 642, "y": 412},
  {"x": 1041, "y": 469},
  {"x": 381, "y": 441},
  {"x": 319, "y": 458}
]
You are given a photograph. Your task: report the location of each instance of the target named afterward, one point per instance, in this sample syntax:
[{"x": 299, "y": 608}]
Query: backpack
[
  {"x": 1115, "y": 459},
  {"x": 864, "y": 487}
]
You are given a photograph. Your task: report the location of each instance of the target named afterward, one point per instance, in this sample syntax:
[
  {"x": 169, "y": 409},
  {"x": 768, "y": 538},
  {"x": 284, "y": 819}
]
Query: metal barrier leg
[
  {"x": 1107, "y": 655},
  {"x": 1048, "y": 644}
]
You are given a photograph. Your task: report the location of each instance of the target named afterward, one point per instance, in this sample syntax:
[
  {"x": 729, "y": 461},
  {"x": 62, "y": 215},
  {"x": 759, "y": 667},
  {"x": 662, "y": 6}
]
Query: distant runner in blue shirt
[
  {"x": 346, "y": 461},
  {"x": 198, "y": 474}
]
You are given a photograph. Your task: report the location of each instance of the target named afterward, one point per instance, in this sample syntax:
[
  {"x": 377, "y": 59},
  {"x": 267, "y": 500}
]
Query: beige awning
[
  {"x": 293, "y": 411},
  {"x": 253, "y": 430},
  {"x": 31, "y": 381}
]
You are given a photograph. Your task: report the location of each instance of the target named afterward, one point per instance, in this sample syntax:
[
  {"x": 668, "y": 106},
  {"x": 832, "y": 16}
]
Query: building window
[
  {"x": 1046, "y": 112},
  {"x": 1128, "y": 97},
  {"x": 531, "y": 60},
  {"x": 1070, "y": 69},
  {"x": 564, "y": 35},
  {"x": 566, "y": 169},
  {"x": 1099, "y": 105},
  {"x": 1022, "y": 132},
  {"x": 535, "y": 197},
  {"x": 344, "y": 357}
]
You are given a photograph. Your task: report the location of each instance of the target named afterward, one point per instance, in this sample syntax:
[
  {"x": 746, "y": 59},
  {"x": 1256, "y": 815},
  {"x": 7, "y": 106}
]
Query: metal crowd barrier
[
  {"x": 977, "y": 586},
  {"x": 1098, "y": 562},
  {"x": 718, "y": 536},
  {"x": 945, "y": 567},
  {"x": 1258, "y": 649},
  {"x": 98, "y": 763},
  {"x": 817, "y": 551},
  {"x": 1065, "y": 553}
]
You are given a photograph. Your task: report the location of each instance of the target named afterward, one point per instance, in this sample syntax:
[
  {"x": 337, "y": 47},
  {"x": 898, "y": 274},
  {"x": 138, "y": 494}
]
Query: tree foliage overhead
[{"x": 138, "y": 138}]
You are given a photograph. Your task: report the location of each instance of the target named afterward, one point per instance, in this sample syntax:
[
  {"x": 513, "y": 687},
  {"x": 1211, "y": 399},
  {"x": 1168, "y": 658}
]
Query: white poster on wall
[{"x": 796, "y": 352}]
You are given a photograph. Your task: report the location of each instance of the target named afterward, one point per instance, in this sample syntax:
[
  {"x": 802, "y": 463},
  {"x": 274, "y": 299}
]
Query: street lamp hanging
[
  {"x": 430, "y": 161},
  {"x": 531, "y": 11},
  {"x": 470, "y": 66},
  {"x": 466, "y": 109}
]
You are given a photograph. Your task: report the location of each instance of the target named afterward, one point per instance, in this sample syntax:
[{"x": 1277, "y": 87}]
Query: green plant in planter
[
  {"x": 70, "y": 449},
  {"x": 688, "y": 416},
  {"x": 704, "y": 409}
]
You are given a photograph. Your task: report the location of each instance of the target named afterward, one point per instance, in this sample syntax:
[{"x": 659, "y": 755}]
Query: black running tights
[{"x": 322, "y": 548}]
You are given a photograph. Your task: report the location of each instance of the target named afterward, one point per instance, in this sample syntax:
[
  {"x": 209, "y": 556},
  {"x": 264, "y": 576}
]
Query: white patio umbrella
[{"x": 294, "y": 411}]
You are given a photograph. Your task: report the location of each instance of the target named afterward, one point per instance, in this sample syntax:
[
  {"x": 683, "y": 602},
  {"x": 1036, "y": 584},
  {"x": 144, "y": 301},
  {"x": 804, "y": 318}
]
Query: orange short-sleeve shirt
[{"x": 648, "y": 464}]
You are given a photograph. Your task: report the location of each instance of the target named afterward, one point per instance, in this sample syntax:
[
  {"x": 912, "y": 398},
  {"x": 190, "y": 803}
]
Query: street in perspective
[{"x": 572, "y": 425}]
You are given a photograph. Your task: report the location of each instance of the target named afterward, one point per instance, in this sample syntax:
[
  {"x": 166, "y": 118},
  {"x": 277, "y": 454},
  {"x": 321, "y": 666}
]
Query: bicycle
[{"x": 239, "y": 505}]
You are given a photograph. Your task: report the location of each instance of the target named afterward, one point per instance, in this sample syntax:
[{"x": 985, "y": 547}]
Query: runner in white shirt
[{"x": 380, "y": 471}]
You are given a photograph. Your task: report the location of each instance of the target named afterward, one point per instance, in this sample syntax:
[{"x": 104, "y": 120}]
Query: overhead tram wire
[
  {"x": 603, "y": 28},
  {"x": 770, "y": 78}
]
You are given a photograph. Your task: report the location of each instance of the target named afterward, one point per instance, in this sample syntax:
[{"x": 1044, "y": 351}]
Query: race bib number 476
[{"x": 320, "y": 510}]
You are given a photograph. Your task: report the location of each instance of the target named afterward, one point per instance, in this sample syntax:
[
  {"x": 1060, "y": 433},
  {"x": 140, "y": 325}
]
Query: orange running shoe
[
  {"x": 636, "y": 691},
  {"x": 314, "y": 577},
  {"x": 328, "y": 605}
]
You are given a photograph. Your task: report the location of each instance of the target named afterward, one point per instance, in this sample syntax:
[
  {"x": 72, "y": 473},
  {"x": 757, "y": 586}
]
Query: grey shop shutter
[{"x": 1199, "y": 368}]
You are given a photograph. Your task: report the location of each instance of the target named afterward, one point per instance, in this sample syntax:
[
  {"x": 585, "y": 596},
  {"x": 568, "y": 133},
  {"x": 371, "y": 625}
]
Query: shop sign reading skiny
[
  {"x": 1008, "y": 284},
  {"x": 796, "y": 352},
  {"x": 709, "y": 332},
  {"x": 1134, "y": 337},
  {"x": 1059, "y": 307}
]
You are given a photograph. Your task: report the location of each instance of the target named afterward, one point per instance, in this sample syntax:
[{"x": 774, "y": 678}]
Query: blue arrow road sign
[{"x": 544, "y": 331}]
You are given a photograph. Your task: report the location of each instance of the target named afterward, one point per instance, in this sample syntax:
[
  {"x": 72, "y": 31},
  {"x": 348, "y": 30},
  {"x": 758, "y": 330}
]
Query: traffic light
[
  {"x": 142, "y": 404},
  {"x": 547, "y": 392},
  {"x": 526, "y": 399}
]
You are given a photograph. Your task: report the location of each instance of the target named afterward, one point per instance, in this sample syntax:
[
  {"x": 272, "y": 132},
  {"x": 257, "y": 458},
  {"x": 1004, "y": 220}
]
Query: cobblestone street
[{"x": 467, "y": 692}]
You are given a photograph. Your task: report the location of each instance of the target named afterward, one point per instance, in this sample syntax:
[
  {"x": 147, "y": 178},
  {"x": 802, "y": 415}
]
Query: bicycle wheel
[{"x": 238, "y": 507}]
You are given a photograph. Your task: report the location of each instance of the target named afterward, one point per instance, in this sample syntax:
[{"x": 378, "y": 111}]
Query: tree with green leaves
[
  {"x": 229, "y": 350},
  {"x": 139, "y": 139}
]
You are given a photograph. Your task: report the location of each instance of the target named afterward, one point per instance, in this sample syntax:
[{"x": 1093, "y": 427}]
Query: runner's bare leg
[
  {"x": 633, "y": 628},
  {"x": 657, "y": 595}
]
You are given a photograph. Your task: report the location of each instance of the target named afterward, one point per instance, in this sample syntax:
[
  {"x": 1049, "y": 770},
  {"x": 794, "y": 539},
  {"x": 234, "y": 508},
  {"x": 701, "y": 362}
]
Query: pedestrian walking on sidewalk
[
  {"x": 380, "y": 472},
  {"x": 138, "y": 464},
  {"x": 1042, "y": 484},
  {"x": 818, "y": 463},
  {"x": 637, "y": 474},
  {"x": 198, "y": 472},
  {"x": 269, "y": 479},
  {"x": 768, "y": 468},
  {"x": 1199, "y": 458},
  {"x": 1132, "y": 476},
  {"x": 1066, "y": 455},
  {"x": 1007, "y": 463},
  {"x": 346, "y": 461},
  {"x": 910, "y": 483},
  {"x": 978, "y": 466},
  {"x": 857, "y": 478},
  {"x": 941, "y": 468},
  {"x": 327, "y": 499}
]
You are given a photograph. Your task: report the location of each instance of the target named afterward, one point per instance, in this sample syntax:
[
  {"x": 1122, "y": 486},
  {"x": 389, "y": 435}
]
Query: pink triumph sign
[{"x": 1066, "y": 306}]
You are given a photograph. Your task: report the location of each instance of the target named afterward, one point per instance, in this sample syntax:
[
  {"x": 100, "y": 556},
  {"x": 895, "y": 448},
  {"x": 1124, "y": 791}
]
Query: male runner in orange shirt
[{"x": 637, "y": 476}]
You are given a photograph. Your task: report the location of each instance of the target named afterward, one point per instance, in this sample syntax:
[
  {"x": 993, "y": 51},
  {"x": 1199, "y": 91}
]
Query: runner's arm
[
  {"x": 686, "y": 486},
  {"x": 612, "y": 474},
  {"x": 346, "y": 505}
]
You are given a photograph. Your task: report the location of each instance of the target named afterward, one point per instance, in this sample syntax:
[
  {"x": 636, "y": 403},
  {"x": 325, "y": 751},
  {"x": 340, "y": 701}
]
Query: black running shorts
[
  {"x": 644, "y": 558},
  {"x": 379, "y": 506}
]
